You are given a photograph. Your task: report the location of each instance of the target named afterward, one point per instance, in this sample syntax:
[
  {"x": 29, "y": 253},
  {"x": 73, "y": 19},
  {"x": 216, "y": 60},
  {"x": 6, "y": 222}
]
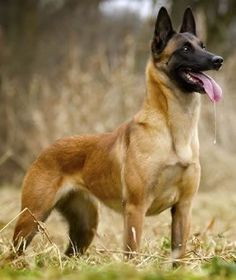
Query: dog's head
[{"x": 183, "y": 56}]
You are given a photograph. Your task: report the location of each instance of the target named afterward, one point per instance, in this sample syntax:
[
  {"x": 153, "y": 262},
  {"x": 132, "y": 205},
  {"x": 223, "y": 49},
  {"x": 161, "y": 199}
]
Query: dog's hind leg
[
  {"x": 38, "y": 199},
  {"x": 80, "y": 210}
]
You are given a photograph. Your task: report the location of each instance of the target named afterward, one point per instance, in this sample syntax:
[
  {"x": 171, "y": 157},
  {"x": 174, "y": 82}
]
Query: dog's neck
[
  {"x": 179, "y": 110},
  {"x": 162, "y": 92}
]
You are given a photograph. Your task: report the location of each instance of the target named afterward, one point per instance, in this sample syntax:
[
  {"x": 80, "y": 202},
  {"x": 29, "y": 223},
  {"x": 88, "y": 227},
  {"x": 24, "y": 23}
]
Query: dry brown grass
[{"x": 213, "y": 232}]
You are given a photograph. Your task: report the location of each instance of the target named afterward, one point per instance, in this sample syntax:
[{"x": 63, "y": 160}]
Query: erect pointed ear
[
  {"x": 163, "y": 31},
  {"x": 188, "y": 24}
]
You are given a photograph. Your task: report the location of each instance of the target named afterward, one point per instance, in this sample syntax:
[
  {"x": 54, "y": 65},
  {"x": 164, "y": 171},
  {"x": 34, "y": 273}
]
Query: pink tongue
[{"x": 212, "y": 89}]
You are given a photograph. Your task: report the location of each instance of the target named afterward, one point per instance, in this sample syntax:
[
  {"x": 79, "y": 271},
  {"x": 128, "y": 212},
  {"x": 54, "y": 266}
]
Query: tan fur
[{"x": 142, "y": 168}]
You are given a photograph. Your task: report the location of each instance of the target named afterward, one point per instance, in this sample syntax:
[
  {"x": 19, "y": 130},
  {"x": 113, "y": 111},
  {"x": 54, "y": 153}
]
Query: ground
[{"x": 211, "y": 248}]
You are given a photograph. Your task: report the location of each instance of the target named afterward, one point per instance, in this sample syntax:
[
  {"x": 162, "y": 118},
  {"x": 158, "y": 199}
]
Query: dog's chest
[
  {"x": 165, "y": 190},
  {"x": 162, "y": 167},
  {"x": 167, "y": 178}
]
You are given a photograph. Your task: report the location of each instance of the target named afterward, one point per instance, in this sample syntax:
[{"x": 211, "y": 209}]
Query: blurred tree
[
  {"x": 46, "y": 40},
  {"x": 19, "y": 21},
  {"x": 23, "y": 22}
]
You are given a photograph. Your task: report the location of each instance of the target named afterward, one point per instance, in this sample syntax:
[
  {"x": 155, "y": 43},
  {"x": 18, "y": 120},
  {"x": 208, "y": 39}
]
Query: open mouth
[{"x": 203, "y": 83}]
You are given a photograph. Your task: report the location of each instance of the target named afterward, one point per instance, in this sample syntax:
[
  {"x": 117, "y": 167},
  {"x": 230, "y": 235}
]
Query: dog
[{"x": 145, "y": 166}]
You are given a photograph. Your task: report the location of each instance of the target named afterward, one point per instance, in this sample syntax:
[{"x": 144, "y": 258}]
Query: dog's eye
[{"x": 187, "y": 48}]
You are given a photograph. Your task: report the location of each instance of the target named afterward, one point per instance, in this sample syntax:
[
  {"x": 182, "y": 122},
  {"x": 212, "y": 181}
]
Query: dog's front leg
[
  {"x": 181, "y": 213},
  {"x": 181, "y": 216},
  {"x": 133, "y": 223}
]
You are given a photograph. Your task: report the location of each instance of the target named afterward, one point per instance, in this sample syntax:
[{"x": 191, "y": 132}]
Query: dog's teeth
[{"x": 189, "y": 77}]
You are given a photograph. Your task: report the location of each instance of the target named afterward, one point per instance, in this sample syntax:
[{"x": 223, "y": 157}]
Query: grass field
[{"x": 211, "y": 248}]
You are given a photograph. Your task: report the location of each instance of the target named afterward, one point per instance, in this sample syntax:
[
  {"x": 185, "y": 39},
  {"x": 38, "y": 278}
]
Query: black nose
[{"x": 217, "y": 61}]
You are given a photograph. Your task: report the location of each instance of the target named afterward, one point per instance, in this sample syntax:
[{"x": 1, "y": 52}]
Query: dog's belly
[
  {"x": 114, "y": 204},
  {"x": 163, "y": 195},
  {"x": 107, "y": 190},
  {"x": 110, "y": 195},
  {"x": 166, "y": 191}
]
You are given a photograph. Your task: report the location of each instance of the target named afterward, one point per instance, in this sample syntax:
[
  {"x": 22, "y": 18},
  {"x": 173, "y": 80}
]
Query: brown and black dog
[{"x": 145, "y": 166}]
